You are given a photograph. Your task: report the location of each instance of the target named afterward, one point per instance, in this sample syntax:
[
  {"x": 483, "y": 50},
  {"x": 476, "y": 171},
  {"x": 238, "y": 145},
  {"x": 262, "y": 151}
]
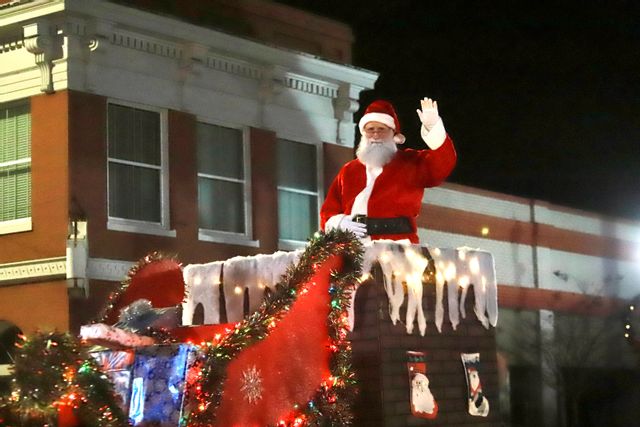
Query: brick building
[{"x": 122, "y": 128}]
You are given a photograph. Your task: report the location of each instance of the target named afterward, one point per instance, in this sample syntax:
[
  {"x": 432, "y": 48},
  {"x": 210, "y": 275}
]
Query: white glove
[
  {"x": 357, "y": 228},
  {"x": 346, "y": 223},
  {"x": 428, "y": 113}
]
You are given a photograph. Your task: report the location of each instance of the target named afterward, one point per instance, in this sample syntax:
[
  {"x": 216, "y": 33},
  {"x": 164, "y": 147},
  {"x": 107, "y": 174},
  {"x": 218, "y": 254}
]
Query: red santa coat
[{"x": 397, "y": 191}]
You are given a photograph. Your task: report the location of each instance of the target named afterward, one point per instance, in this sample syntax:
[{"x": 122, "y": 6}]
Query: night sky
[{"x": 542, "y": 99}]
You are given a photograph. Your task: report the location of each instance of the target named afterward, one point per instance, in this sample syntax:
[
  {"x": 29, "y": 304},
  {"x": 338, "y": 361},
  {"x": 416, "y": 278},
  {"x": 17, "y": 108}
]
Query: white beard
[
  {"x": 421, "y": 397},
  {"x": 375, "y": 154}
]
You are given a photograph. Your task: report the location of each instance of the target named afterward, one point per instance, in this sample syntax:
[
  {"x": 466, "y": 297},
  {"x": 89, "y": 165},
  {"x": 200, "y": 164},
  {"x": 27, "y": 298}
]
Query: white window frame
[
  {"x": 219, "y": 236},
  {"x": 20, "y": 224},
  {"x": 16, "y": 225},
  {"x": 288, "y": 244},
  {"x": 161, "y": 228}
]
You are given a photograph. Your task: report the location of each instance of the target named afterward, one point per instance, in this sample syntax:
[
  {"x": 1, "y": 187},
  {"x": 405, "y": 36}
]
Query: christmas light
[
  {"x": 52, "y": 372},
  {"x": 332, "y": 402},
  {"x": 463, "y": 281}
]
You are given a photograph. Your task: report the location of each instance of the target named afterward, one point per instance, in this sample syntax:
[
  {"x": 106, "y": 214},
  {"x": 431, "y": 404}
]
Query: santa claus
[{"x": 378, "y": 195}]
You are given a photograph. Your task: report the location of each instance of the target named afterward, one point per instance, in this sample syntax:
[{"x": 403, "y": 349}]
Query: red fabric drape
[
  {"x": 160, "y": 282},
  {"x": 291, "y": 362}
]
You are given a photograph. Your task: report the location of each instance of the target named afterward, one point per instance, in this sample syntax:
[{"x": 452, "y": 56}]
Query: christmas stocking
[
  {"x": 423, "y": 404},
  {"x": 478, "y": 404}
]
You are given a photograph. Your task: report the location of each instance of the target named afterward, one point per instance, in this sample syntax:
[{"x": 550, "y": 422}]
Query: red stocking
[{"x": 423, "y": 404}]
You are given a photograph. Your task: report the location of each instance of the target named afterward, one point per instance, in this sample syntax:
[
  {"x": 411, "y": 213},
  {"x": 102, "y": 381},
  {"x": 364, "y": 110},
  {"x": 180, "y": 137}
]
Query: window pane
[
  {"x": 220, "y": 151},
  {"x": 297, "y": 216},
  {"x": 297, "y": 165},
  {"x": 134, "y": 192},
  {"x": 221, "y": 205},
  {"x": 134, "y": 134}
]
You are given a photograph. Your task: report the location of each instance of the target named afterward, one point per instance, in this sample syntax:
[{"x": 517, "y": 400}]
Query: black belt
[{"x": 397, "y": 225}]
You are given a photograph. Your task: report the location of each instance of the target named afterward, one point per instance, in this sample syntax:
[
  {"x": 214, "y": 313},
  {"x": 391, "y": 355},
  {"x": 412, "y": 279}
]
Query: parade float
[{"x": 338, "y": 333}]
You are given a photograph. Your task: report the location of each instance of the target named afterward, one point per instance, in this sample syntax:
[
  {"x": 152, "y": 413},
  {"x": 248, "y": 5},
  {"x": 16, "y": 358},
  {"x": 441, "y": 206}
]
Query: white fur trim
[
  {"x": 399, "y": 138},
  {"x": 361, "y": 202},
  {"x": 435, "y": 137},
  {"x": 376, "y": 117}
]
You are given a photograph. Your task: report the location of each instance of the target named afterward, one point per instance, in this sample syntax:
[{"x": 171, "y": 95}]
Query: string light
[
  {"x": 629, "y": 333},
  {"x": 53, "y": 372},
  {"x": 333, "y": 399}
]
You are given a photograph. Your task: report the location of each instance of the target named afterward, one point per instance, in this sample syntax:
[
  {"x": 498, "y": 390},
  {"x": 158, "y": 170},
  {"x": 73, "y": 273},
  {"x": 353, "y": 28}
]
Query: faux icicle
[{"x": 402, "y": 264}]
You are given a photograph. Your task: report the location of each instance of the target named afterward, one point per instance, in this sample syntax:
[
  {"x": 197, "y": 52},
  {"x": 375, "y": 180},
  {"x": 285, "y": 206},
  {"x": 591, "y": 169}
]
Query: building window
[
  {"x": 137, "y": 169},
  {"x": 223, "y": 194},
  {"x": 15, "y": 167},
  {"x": 297, "y": 190}
]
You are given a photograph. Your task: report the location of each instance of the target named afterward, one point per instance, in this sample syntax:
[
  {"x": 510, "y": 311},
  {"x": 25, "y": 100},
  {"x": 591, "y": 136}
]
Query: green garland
[
  {"x": 332, "y": 402},
  {"x": 52, "y": 369}
]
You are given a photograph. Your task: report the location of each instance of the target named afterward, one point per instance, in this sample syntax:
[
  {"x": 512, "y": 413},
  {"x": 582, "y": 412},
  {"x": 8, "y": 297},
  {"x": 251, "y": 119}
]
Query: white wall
[{"x": 514, "y": 262}]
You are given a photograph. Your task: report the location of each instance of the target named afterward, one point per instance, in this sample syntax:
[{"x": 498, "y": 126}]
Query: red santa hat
[{"x": 383, "y": 112}]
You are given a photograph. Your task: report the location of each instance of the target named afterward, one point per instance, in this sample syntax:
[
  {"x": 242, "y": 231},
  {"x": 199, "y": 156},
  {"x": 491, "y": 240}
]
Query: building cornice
[
  {"x": 213, "y": 50},
  {"x": 135, "y": 55},
  {"x": 108, "y": 269},
  {"x": 37, "y": 269},
  {"x": 11, "y": 45},
  {"x": 22, "y": 11},
  {"x": 134, "y": 20}
]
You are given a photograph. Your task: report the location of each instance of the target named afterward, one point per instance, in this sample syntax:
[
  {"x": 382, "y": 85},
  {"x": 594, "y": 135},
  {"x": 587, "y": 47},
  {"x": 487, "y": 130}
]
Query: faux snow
[{"x": 403, "y": 266}]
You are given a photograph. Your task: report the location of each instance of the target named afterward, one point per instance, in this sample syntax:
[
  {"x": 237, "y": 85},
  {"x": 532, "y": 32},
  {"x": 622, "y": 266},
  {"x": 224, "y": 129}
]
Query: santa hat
[{"x": 383, "y": 112}]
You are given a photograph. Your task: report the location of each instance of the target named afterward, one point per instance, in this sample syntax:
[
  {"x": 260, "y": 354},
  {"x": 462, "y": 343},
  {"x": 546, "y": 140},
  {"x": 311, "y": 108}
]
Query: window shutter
[
  {"x": 23, "y": 192},
  {"x": 8, "y": 189},
  {"x": 15, "y": 179},
  {"x": 23, "y": 134}
]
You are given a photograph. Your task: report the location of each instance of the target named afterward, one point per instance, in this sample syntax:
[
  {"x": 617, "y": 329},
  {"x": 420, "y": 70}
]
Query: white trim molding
[
  {"x": 108, "y": 269},
  {"x": 129, "y": 54},
  {"x": 40, "y": 269},
  {"x": 15, "y": 226},
  {"x": 163, "y": 228}
]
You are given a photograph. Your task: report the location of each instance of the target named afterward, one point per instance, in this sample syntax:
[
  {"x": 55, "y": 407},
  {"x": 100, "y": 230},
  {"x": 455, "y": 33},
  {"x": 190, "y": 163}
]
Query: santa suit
[{"x": 396, "y": 189}]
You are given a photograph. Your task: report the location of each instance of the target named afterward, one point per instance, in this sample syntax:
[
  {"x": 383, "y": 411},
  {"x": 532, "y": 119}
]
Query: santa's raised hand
[{"x": 428, "y": 113}]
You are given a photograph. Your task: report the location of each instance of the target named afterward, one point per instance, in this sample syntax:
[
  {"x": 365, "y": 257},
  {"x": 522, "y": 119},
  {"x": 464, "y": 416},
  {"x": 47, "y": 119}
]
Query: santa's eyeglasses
[{"x": 378, "y": 131}]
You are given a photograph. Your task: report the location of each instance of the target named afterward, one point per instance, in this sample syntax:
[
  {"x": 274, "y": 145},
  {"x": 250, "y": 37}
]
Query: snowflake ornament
[{"x": 252, "y": 384}]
